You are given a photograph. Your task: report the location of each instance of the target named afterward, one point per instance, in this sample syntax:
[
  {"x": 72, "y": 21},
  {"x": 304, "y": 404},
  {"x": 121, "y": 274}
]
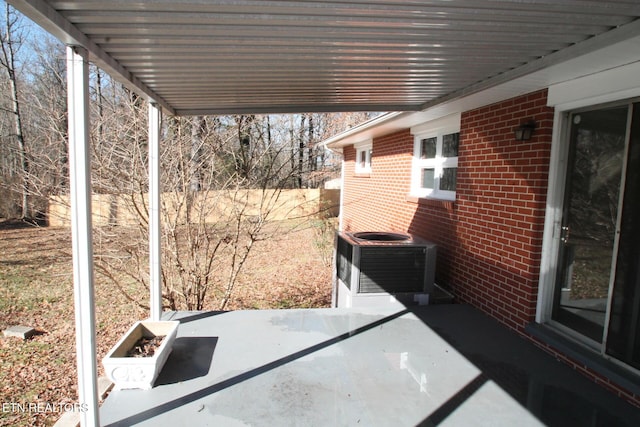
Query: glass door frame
[
  {"x": 561, "y": 141},
  {"x": 616, "y": 243}
]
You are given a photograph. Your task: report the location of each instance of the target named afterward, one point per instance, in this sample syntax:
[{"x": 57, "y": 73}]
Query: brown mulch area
[{"x": 36, "y": 289}]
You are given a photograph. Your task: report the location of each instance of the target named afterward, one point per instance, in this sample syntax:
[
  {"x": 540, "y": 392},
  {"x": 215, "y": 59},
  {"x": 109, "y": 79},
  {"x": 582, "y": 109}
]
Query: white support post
[
  {"x": 155, "y": 279},
  {"x": 81, "y": 229}
]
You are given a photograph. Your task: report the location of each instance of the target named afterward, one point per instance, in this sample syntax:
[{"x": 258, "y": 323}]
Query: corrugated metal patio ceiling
[{"x": 210, "y": 57}]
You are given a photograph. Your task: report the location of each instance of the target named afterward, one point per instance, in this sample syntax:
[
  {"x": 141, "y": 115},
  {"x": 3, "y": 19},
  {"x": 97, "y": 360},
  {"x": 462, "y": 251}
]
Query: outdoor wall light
[{"x": 525, "y": 131}]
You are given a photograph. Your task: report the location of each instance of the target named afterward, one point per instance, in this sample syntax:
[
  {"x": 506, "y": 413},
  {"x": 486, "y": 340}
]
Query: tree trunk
[
  {"x": 8, "y": 61},
  {"x": 311, "y": 161},
  {"x": 197, "y": 134},
  {"x": 303, "y": 119},
  {"x": 292, "y": 157},
  {"x": 22, "y": 149}
]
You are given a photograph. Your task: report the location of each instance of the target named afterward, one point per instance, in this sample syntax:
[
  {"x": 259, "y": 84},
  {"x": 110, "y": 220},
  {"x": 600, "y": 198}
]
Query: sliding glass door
[
  {"x": 597, "y": 291},
  {"x": 623, "y": 338}
]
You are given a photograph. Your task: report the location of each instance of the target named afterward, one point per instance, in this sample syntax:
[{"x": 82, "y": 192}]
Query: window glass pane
[
  {"x": 450, "y": 145},
  {"x": 363, "y": 159},
  {"x": 428, "y": 178},
  {"x": 428, "y": 148},
  {"x": 448, "y": 180}
]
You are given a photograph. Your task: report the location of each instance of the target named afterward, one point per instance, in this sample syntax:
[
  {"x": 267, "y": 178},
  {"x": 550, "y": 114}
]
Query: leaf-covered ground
[{"x": 38, "y": 376}]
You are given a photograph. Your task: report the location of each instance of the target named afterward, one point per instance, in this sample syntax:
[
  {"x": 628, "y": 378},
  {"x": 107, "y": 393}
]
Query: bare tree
[
  {"x": 222, "y": 177},
  {"x": 198, "y": 131},
  {"x": 220, "y": 187},
  {"x": 10, "y": 42},
  {"x": 46, "y": 114}
]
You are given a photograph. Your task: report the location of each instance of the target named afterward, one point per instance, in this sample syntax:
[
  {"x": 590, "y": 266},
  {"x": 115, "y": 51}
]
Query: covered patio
[
  {"x": 392, "y": 366},
  {"x": 396, "y": 366}
]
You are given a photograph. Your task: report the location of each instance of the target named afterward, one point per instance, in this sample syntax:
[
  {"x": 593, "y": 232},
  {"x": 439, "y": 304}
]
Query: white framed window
[
  {"x": 364, "y": 151},
  {"x": 435, "y": 159}
]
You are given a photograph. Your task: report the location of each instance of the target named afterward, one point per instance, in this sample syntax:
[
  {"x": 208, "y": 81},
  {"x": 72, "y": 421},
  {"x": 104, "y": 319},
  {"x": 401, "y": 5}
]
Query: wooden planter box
[{"x": 139, "y": 372}]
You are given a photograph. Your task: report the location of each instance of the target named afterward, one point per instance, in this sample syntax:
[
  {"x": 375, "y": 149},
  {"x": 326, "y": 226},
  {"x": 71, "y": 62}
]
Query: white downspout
[
  {"x": 81, "y": 229},
  {"x": 155, "y": 280}
]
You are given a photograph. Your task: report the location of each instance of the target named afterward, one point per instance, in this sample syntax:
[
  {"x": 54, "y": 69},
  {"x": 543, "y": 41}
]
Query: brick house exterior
[{"x": 490, "y": 238}]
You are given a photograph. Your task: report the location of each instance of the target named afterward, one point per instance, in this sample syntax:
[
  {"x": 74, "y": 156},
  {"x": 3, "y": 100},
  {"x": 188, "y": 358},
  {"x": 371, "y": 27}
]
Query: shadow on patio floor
[
  {"x": 553, "y": 392},
  {"x": 434, "y": 365}
]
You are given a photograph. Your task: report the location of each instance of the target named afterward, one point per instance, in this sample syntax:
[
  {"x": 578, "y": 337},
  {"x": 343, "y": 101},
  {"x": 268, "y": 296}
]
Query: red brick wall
[
  {"x": 377, "y": 200},
  {"x": 501, "y": 202},
  {"x": 489, "y": 239}
]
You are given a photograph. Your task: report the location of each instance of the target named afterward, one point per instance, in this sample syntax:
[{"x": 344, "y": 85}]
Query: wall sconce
[{"x": 525, "y": 131}]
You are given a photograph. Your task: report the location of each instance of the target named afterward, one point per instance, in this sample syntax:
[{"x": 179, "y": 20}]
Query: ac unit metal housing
[{"x": 376, "y": 268}]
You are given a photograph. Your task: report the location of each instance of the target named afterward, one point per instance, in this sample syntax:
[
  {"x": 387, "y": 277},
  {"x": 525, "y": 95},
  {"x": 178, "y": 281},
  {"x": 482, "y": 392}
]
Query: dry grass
[{"x": 36, "y": 289}]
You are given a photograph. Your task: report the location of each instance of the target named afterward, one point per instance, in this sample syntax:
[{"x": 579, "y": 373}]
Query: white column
[
  {"x": 155, "y": 280},
  {"x": 81, "y": 228}
]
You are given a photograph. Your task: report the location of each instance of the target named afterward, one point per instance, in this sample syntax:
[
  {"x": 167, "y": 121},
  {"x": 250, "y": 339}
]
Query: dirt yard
[{"x": 38, "y": 376}]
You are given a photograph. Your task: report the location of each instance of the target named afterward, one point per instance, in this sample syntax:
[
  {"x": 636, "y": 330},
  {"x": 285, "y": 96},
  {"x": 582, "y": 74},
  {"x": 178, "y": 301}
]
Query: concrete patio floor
[{"x": 445, "y": 365}]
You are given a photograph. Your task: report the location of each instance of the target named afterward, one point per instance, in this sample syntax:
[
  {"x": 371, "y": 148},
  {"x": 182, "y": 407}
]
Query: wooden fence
[{"x": 210, "y": 206}]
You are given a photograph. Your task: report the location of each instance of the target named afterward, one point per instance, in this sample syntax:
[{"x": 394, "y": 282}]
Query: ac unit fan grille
[{"x": 392, "y": 269}]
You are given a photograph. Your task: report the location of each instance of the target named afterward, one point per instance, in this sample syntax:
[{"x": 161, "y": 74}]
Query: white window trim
[
  {"x": 365, "y": 147},
  {"x": 437, "y": 128}
]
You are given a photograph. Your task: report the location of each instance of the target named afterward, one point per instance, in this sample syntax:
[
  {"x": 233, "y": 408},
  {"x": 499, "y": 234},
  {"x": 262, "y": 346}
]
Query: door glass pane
[
  {"x": 589, "y": 219},
  {"x": 623, "y": 341}
]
